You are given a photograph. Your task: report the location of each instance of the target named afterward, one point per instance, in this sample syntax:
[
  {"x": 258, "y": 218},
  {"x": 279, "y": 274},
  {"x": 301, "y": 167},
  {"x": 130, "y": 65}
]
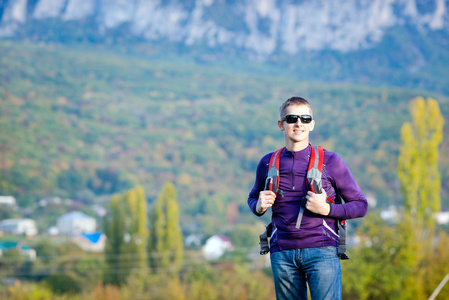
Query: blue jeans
[{"x": 319, "y": 267}]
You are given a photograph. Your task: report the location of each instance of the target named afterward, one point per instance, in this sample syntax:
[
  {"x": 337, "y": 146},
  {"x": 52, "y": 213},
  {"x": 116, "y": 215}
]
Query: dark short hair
[{"x": 294, "y": 101}]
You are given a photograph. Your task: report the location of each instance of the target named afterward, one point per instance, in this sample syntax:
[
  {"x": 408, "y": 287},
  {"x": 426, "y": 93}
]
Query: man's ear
[
  {"x": 312, "y": 125},
  {"x": 281, "y": 125}
]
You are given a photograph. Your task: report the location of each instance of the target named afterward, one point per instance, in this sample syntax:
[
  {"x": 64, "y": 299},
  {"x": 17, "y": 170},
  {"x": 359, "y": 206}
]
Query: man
[{"x": 307, "y": 255}]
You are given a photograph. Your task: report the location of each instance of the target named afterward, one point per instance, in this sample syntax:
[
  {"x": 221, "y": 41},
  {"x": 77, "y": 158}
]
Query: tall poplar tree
[
  {"x": 418, "y": 164},
  {"x": 165, "y": 244},
  {"x": 142, "y": 228},
  {"x": 136, "y": 224},
  {"x": 420, "y": 186},
  {"x": 114, "y": 228},
  {"x": 127, "y": 235}
]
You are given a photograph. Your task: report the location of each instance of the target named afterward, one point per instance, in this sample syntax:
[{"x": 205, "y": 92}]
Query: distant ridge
[{"x": 260, "y": 27}]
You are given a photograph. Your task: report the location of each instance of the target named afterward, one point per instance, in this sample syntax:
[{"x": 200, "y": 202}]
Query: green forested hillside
[{"x": 77, "y": 122}]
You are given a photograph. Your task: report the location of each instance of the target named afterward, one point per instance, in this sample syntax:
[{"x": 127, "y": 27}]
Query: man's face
[{"x": 297, "y": 132}]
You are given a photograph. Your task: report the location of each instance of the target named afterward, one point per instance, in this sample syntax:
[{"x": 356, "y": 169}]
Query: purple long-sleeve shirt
[{"x": 316, "y": 230}]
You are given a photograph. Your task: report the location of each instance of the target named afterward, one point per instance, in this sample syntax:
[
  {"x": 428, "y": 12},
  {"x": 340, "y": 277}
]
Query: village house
[
  {"x": 23, "y": 250},
  {"x": 7, "y": 201},
  {"x": 75, "y": 223},
  {"x": 19, "y": 226},
  {"x": 94, "y": 242},
  {"x": 216, "y": 246}
]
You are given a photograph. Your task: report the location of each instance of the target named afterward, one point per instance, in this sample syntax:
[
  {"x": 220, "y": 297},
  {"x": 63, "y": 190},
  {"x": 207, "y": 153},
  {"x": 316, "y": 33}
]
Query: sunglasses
[{"x": 291, "y": 119}]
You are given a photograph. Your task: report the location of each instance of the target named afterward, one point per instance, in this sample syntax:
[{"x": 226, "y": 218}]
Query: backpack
[{"x": 314, "y": 173}]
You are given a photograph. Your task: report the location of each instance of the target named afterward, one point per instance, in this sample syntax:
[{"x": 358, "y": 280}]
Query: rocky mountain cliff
[{"x": 261, "y": 27}]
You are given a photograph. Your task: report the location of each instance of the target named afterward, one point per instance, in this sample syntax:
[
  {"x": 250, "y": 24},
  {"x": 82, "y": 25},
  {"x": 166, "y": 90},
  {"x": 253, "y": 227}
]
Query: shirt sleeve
[
  {"x": 355, "y": 204},
  {"x": 259, "y": 184}
]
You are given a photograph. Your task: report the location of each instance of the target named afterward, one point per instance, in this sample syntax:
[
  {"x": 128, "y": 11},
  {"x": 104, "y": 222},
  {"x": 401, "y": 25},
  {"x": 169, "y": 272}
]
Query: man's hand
[
  {"x": 316, "y": 203},
  {"x": 266, "y": 199}
]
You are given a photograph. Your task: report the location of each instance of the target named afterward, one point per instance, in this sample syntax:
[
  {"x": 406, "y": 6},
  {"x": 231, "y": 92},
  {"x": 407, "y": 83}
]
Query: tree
[
  {"x": 418, "y": 165},
  {"x": 166, "y": 241},
  {"x": 127, "y": 234},
  {"x": 114, "y": 229},
  {"x": 420, "y": 184},
  {"x": 137, "y": 224}
]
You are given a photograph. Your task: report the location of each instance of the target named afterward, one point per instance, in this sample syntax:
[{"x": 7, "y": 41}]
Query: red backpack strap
[
  {"x": 315, "y": 170},
  {"x": 314, "y": 173},
  {"x": 272, "y": 181}
]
